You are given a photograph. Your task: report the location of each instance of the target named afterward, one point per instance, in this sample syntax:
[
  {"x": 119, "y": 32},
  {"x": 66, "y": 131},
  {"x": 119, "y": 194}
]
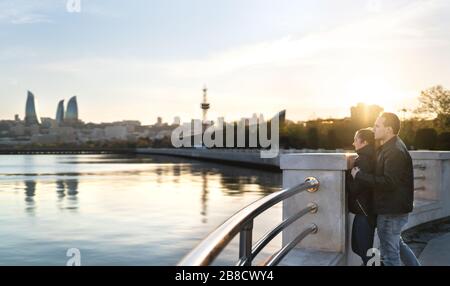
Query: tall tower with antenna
[{"x": 205, "y": 105}]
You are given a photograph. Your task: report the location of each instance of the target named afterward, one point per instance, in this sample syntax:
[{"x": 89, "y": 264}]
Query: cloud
[
  {"x": 408, "y": 26},
  {"x": 29, "y": 19},
  {"x": 392, "y": 52},
  {"x": 20, "y": 12}
]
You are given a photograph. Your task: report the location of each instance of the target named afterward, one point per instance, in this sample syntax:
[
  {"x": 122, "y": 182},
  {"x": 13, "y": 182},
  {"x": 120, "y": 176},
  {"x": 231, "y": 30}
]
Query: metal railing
[
  {"x": 242, "y": 223},
  {"x": 275, "y": 259}
]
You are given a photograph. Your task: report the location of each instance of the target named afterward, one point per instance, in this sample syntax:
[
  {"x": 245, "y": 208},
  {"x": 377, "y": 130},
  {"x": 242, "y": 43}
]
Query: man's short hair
[
  {"x": 366, "y": 134},
  {"x": 391, "y": 120}
]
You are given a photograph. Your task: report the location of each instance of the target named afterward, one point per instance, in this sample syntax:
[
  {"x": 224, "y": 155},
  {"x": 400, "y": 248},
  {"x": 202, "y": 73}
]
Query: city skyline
[
  {"x": 70, "y": 114},
  {"x": 255, "y": 56}
]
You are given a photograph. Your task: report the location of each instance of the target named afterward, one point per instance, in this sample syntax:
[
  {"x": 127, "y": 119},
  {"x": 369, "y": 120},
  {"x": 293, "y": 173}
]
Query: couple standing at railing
[{"x": 381, "y": 192}]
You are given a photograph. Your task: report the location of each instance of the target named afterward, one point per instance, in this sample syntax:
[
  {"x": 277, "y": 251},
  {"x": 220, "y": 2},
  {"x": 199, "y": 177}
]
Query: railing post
[
  {"x": 245, "y": 242},
  {"x": 428, "y": 166},
  {"x": 328, "y": 245},
  {"x": 432, "y": 185}
]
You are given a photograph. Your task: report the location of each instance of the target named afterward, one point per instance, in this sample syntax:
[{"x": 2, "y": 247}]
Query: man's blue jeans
[{"x": 392, "y": 246}]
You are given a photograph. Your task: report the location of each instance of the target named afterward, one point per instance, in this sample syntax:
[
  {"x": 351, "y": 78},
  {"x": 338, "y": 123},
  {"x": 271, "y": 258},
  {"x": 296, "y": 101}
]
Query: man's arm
[{"x": 393, "y": 165}]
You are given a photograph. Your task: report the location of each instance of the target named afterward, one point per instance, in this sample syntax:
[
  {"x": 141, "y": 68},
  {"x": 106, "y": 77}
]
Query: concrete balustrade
[
  {"x": 248, "y": 157},
  {"x": 331, "y": 244},
  {"x": 432, "y": 199}
]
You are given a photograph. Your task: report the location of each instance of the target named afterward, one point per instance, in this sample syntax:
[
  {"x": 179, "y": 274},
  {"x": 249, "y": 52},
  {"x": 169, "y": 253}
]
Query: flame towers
[
  {"x": 72, "y": 110},
  {"x": 60, "y": 112},
  {"x": 63, "y": 117},
  {"x": 31, "y": 116}
]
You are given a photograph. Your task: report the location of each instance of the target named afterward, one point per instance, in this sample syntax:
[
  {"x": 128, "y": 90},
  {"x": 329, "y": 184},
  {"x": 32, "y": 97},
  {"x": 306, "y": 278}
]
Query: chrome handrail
[
  {"x": 242, "y": 221},
  {"x": 311, "y": 208},
  {"x": 275, "y": 259}
]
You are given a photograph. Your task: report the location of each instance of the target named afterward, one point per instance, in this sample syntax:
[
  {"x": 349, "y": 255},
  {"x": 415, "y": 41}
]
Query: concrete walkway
[{"x": 437, "y": 252}]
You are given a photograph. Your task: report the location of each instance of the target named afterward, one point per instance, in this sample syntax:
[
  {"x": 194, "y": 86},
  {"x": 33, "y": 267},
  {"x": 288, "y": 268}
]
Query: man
[{"x": 393, "y": 183}]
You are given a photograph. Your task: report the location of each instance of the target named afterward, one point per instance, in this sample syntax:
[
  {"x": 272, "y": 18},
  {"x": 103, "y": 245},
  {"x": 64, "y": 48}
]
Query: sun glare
[{"x": 374, "y": 91}]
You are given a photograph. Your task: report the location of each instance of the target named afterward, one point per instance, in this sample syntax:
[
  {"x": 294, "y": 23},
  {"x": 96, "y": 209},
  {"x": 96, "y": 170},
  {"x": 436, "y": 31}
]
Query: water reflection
[
  {"x": 30, "y": 193},
  {"x": 159, "y": 173},
  {"x": 176, "y": 170},
  {"x": 72, "y": 192},
  {"x": 67, "y": 191},
  {"x": 60, "y": 190},
  {"x": 204, "y": 198},
  {"x": 128, "y": 210},
  {"x": 233, "y": 181}
]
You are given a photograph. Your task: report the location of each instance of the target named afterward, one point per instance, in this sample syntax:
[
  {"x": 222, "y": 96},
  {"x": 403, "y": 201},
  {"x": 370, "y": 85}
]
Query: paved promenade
[{"x": 437, "y": 252}]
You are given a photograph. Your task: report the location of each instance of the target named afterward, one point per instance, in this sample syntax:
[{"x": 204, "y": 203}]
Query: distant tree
[
  {"x": 426, "y": 138},
  {"x": 143, "y": 143},
  {"x": 436, "y": 101},
  {"x": 407, "y": 132},
  {"x": 332, "y": 140},
  {"x": 313, "y": 138},
  {"x": 444, "y": 141},
  {"x": 292, "y": 136}
]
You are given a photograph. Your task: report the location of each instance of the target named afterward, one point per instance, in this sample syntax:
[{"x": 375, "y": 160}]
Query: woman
[{"x": 360, "y": 195}]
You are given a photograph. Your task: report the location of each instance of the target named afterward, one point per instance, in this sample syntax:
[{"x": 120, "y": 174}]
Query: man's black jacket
[
  {"x": 360, "y": 194},
  {"x": 393, "y": 181}
]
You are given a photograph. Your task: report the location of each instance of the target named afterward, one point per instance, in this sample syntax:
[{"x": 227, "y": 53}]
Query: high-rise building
[
  {"x": 261, "y": 118},
  {"x": 176, "y": 120},
  {"x": 60, "y": 112},
  {"x": 72, "y": 110},
  {"x": 364, "y": 115},
  {"x": 282, "y": 116},
  {"x": 31, "y": 116}
]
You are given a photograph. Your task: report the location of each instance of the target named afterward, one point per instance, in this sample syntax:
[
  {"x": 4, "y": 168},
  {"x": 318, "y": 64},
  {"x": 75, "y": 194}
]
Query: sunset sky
[{"x": 139, "y": 59}]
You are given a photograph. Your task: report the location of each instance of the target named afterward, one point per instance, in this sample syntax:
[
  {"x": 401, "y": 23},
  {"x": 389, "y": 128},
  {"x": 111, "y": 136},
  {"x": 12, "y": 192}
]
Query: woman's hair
[{"x": 366, "y": 134}]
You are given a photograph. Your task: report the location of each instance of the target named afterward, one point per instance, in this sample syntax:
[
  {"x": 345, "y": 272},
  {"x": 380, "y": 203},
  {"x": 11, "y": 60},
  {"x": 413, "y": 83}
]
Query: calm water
[{"x": 121, "y": 210}]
